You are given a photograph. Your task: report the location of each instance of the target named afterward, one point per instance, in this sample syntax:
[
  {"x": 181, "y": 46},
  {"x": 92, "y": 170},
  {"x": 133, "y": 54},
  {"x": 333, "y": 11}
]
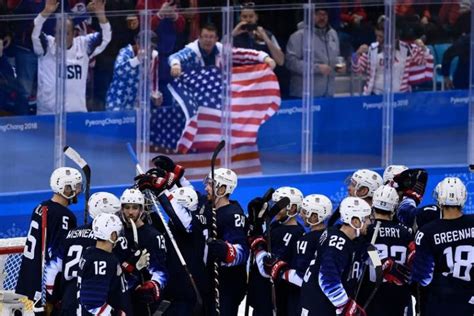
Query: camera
[{"x": 249, "y": 27}]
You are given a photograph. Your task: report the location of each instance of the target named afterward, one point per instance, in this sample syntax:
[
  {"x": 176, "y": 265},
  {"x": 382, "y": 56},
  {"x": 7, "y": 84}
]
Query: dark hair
[
  {"x": 151, "y": 36},
  {"x": 210, "y": 27}
]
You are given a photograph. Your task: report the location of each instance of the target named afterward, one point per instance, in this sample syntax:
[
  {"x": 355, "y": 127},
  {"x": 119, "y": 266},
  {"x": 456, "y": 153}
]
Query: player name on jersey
[
  {"x": 454, "y": 235},
  {"x": 389, "y": 232},
  {"x": 81, "y": 233}
]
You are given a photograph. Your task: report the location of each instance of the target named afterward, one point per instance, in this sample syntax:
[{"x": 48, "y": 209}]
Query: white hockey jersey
[{"x": 77, "y": 64}]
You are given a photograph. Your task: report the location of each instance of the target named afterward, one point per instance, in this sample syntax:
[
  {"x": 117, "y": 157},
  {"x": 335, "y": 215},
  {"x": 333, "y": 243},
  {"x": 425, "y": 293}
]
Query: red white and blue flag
[{"x": 255, "y": 98}]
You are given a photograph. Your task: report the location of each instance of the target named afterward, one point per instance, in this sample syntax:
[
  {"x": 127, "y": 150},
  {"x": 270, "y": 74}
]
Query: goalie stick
[
  {"x": 78, "y": 160},
  {"x": 151, "y": 196}
]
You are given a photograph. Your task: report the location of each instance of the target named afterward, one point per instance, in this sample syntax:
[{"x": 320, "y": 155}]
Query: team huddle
[{"x": 290, "y": 254}]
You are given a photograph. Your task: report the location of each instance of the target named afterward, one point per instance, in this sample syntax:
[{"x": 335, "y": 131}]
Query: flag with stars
[{"x": 255, "y": 98}]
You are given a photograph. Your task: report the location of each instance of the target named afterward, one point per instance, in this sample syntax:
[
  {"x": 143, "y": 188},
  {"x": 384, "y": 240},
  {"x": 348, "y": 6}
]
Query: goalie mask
[
  {"x": 354, "y": 207},
  {"x": 385, "y": 198},
  {"x": 391, "y": 171},
  {"x": 451, "y": 192},
  {"x": 132, "y": 200},
  {"x": 104, "y": 225},
  {"x": 295, "y": 196},
  {"x": 186, "y": 197},
  {"x": 364, "y": 178},
  {"x": 63, "y": 177},
  {"x": 316, "y": 204},
  {"x": 103, "y": 202}
]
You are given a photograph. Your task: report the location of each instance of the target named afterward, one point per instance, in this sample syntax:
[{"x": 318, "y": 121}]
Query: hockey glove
[
  {"x": 148, "y": 292},
  {"x": 256, "y": 223},
  {"x": 151, "y": 182},
  {"x": 138, "y": 260},
  {"x": 274, "y": 267},
  {"x": 351, "y": 308},
  {"x": 395, "y": 273},
  {"x": 220, "y": 250},
  {"x": 167, "y": 164},
  {"x": 257, "y": 244},
  {"x": 170, "y": 177}
]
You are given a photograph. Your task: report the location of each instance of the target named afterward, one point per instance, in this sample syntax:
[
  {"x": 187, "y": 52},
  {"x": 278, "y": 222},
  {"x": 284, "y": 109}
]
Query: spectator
[
  {"x": 325, "y": 49},
  {"x": 413, "y": 64},
  {"x": 248, "y": 34},
  {"x": 13, "y": 97},
  {"x": 460, "y": 48},
  {"x": 169, "y": 25},
  {"x": 124, "y": 29},
  {"x": 79, "y": 50},
  {"x": 207, "y": 51},
  {"x": 122, "y": 94}
]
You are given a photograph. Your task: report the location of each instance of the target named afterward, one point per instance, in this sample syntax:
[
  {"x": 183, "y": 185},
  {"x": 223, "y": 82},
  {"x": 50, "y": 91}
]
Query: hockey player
[
  {"x": 49, "y": 225},
  {"x": 230, "y": 248},
  {"x": 330, "y": 281},
  {"x": 394, "y": 243},
  {"x": 190, "y": 235},
  {"x": 102, "y": 286},
  {"x": 282, "y": 235},
  {"x": 444, "y": 256},
  {"x": 391, "y": 171},
  {"x": 70, "y": 252},
  {"x": 316, "y": 209},
  {"x": 145, "y": 281},
  {"x": 362, "y": 184}
]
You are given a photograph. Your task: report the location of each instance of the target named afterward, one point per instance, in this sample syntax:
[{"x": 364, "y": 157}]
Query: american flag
[{"x": 255, "y": 98}]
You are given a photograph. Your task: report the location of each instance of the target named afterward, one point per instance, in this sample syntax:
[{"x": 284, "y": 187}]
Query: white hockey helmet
[
  {"x": 391, "y": 171},
  {"x": 224, "y": 176},
  {"x": 64, "y": 176},
  {"x": 186, "y": 197},
  {"x": 316, "y": 204},
  {"x": 132, "y": 196},
  {"x": 354, "y": 207},
  {"x": 385, "y": 198},
  {"x": 103, "y": 202},
  {"x": 366, "y": 178},
  {"x": 295, "y": 196},
  {"x": 105, "y": 224},
  {"x": 451, "y": 192}
]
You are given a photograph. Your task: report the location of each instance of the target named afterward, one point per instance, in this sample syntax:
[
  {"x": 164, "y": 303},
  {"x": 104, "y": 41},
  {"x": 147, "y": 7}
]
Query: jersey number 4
[{"x": 459, "y": 261}]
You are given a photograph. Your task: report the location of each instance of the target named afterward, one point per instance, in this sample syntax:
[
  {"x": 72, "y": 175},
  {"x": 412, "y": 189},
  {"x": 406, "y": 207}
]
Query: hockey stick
[
  {"x": 214, "y": 225},
  {"x": 266, "y": 197},
  {"x": 135, "y": 242},
  {"x": 375, "y": 259},
  {"x": 372, "y": 242},
  {"x": 151, "y": 196},
  {"x": 44, "y": 246},
  {"x": 78, "y": 160},
  {"x": 276, "y": 208}
]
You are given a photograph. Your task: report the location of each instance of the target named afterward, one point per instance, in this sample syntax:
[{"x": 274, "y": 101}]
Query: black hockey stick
[
  {"x": 78, "y": 160},
  {"x": 377, "y": 264},
  {"x": 151, "y": 196},
  {"x": 275, "y": 209},
  {"x": 266, "y": 197},
  {"x": 372, "y": 242},
  {"x": 216, "y": 152}
]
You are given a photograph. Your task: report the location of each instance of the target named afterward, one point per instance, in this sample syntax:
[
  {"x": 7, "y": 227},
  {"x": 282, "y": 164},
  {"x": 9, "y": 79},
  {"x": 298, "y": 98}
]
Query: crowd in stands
[{"x": 104, "y": 53}]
